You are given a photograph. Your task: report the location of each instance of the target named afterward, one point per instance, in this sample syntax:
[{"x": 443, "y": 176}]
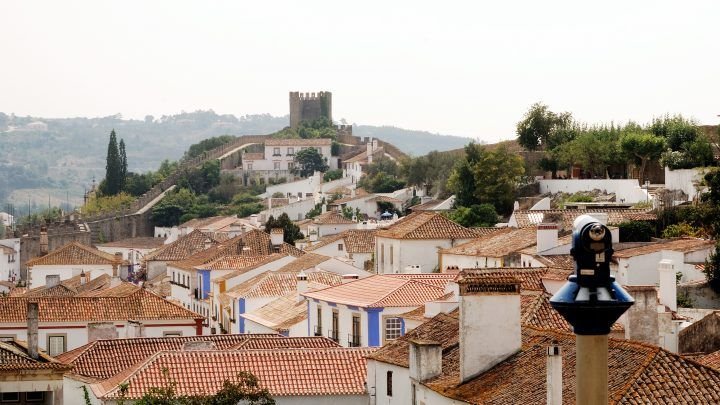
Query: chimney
[
  {"x": 323, "y": 209},
  {"x": 547, "y": 236},
  {"x": 554, "y": 374},
  {"x": 83, "y": 277},
  {"x": 51, "y": 280},
  {"x": 134, "y": 329},
  {"x": 198, "y": 345},
  {"x": 425, "y": 359},
  {"x": 302, "y": 285},
  {"x": 313, "y": 234},
  {"x": 276, "y": 236},
  {"x": 346, "y": 278},
  {"x": 488, "y": 302},
  {"x": 208, "y": 243},
  {"x": 642, "y": 318},
  {"x": 369, "y": 152},
  {"x": 269, "y": 202},
  {"x": 254, "y": 220},
  {"x": 43, "y": 241},
  {"x": 235, "y": 230},
  {"x": 117, "y": 264},
  {"x": 668, "y": 284},
  {"x": 32, "y": 332}
]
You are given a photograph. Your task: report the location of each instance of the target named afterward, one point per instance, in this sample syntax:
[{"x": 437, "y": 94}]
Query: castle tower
[{"x": 309, "y": 106}]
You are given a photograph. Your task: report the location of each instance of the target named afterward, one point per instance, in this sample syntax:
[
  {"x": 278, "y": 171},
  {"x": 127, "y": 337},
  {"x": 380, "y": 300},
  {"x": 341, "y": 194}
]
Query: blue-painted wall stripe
[
  {"x": 241, "y": 310},
  {"x": 373, "y": 326},
  {"x": 402, "y": 327},
  {"x": 205, "y": 278}
]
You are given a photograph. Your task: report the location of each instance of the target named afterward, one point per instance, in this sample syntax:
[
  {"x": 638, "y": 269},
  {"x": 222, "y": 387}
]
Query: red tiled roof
[
  {"x": 288, "y": 372},
  {"x": 280, "y": 283},
  {"x": 331, "y": 218},
  {"x": 684, "y": 245},
  {"x": 182, "y": 248},
  {"x": 437, "y": 279},
  {"x": 530, "y": 278},
  {"x": 14, "y": 357},
  {"x": 68, "y": 288},
  {"x": 104, "y": 358},
  {"x": 76, "y": 253},
  {"x": 280, "y": 314},
  {"x": 711, "y": 360},
  {"x": 310, "y": 342},
  {"x": 138, "y": 305},
  {"x": 497, "y": 244},
  {"x": 355, "y": 240},
  {"x": 380, "y": 291},
  {"x": 426, "y": 225}
]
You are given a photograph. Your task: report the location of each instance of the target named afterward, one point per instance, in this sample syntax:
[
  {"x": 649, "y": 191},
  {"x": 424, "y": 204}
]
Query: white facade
[
  {"x": 296, "y": 211},
  {"x": 400, "y": 393},
  {"x": 134, "y": 256},
  {"x": 404, "y": 255},
  {"x": 38, "y": 274},
  {"x": 642, "y": 269},
  {"x": 625, "y": 190},
  {"x": 687, "y": 180},
  {"x": 303, "y": 188},
  {"x": 9, "y": 260},
  {"x": 339, "y": 249},
  {"x": 6, "y": 219},
  {"x": 278, "y": 157},
  {"x": 330, "y": 229}
]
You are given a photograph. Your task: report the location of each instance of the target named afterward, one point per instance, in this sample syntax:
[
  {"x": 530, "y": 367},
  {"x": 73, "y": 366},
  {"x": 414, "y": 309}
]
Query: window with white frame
[
  {"x": 276, "y": 151},
  {"x": 393, "y": 328},
  {"x": 276, "y": 165},
  {"x": 291, "y": 151},
  {"x": 56, "y": 344}
]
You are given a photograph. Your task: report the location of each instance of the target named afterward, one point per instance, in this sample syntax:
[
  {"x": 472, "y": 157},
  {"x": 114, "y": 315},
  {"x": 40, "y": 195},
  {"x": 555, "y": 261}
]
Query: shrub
[{"x": 636, "y": 231}]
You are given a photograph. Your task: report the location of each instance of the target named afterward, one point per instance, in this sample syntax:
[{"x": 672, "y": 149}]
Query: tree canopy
[
  {"x": 115, "y": 167},
  {"x": 308, "y": 161},
  {"x": 541, "y": 128},
  {"x": 291, "y": 232},
  {"x": 642, "y": 147}
]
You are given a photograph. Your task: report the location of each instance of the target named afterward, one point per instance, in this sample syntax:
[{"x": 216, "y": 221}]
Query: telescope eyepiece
[{"x": 596, "y": 232}]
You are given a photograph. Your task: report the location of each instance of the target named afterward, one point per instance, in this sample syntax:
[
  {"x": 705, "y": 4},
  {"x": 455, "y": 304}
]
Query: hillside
[{"x": 57, "y": 158}]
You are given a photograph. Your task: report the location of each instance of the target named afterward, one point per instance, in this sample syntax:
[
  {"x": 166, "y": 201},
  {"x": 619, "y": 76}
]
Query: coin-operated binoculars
[{"x": 591, "y": 301}]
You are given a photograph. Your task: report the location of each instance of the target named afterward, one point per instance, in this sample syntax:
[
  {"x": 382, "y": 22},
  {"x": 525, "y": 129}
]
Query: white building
[
  {"x": 638, "y": 266},
  {"x": 6, "y": 219},
  {"x": 330, "y": 223},
  {"x": 278, "y": 158},
  {"x": 411, "y": 244},
  {"x": 365, "y": 312},
  {"x": 134, "y": 250},
  {"x": 72, "y": 260},
  {"x": 68, "y": 322},
  {"x": 9, "y": 263},
  {"x": 182, "y": 248},
  {"x": 355, "y": 245},
  {"x": 499, "y": 248},
  {"x": 29, "y": 377}
]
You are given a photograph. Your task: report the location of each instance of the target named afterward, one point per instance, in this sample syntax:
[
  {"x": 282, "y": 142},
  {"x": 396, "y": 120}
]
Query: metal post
[{"x": 591, "y": 367}]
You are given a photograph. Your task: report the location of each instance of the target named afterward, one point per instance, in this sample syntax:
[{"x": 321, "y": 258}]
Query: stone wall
[
  {"x": 702, "y": 336},
  {"x": 59, "y": 235}
]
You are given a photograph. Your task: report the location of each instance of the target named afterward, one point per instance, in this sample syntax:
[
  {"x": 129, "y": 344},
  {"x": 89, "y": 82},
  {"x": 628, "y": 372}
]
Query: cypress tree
[
  {"x": 112, "y": 184},
  {"x": 123, "y": 165}
]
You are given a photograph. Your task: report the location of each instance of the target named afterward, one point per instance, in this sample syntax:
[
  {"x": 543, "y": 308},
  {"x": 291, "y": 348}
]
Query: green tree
[
  {"x": 642, "y": 148},
  {"x": 476, "y": 215},
  {"x": 636, "y": 231},
  {"x": 202, "y": 179},
  {"x": 308, "y": 161},
  {"x": 112, "y": 184},
  {"x": 207, "y": 145},
  {"x": 123, "y": 164},
  {"x": 173, "y": 207},
  {"x": 291, "y": 231},
  {"x": 245, "y": 389},
  {"x": 331, "y": 175},
  {"x": 487, "y": 177},
  {"x": 541, "y": 128}
]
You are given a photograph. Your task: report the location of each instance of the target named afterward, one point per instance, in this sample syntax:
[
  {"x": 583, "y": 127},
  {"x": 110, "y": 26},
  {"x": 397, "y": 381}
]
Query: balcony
[
  {"x": 333, "y": 335},
  {"x": 318, "y": 330},
  {"x": 353, "y": 340}
]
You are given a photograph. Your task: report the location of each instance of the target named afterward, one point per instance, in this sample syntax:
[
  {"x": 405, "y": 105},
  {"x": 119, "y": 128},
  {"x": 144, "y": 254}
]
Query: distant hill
[{"x": 57, "y": 158}]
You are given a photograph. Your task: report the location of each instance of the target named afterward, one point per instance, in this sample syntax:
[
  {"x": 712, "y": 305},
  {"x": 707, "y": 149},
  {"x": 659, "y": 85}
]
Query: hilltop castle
[{"x": 309, "y": 106}]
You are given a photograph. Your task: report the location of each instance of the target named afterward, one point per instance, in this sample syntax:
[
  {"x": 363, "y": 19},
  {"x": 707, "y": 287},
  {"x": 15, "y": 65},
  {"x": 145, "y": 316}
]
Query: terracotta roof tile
[
  {"x": 288, "y": 372},
  {"x": 497, "y": 244},
  {"x": 182, "y": 248},
  {"x": 527, "y": 218},
  {"x": 354, "y": 240},
  {"x": 332, "y": 217},
  {"x": 311, "y": 342},
  {"x": 299, "y": 142},
  {"x": 280, "y": 283},
  {"x": 105, "y": 358},
  {"x": 684, "y": 245},
  {"x": 136, "y": 243},
  {"x": 363, "y": 156},
  {"x": 75, "y": 253},
  {"x": 280, "y": 314},
  {"x": 69, "y": 288},
  {"x": 711, "y": 360},
  {"x": 380, "y": 291},
  {"x": 426, "y": 225},
  {"x": 14, "y": 357},
  {"x": 437, "y": 279},
  {"x": 138, "y": 305}
]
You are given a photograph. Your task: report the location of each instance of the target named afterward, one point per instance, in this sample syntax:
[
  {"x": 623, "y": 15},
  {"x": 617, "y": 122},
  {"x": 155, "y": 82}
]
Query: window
[
  {"x": 172, "y": 333},
  {"x": 35, "y": 396},
  {"x": 354, "y": 340},
  {"x": 391, "y": 255},
  {"x": 291, "y": 165},
  {"x": 318, "y": 328},
  {"x": 382, "y": 254},
  {"x": 335, "y": 326},
  {"x": 276, "y": 165},
  {"x": 291, "y": 151},
  {"x": 276, "y": 151},
  {"x": 56, "y": 344},
  {"x": 248, "y": 166},
  {"x": 340, "y": 247},
  {"x": 10, "y": 397},
  {"x": 388, "y": 383},
  {"x": 7, "y": 338},
  {"x": 393, "y": 328}
]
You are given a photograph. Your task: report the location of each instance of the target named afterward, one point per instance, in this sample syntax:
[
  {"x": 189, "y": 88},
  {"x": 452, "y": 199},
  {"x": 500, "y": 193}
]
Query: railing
[
  {"x": 353, "y": 340},
  {"x": 333, "y": 335},
  {"x": 318, "y": 330}
]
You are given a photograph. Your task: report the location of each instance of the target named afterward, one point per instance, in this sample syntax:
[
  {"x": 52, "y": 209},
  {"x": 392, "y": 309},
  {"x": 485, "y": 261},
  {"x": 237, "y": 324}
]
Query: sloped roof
[
  {"x": 280, "y": 314},
  {"x": 641, "y": 373},
  {"x": 355, "y": 240},
  {"x": 298, "y": 142},
  {"x": 233, "y": 262},
  {"x": 297, "y": 342},
  {"x": 284, "y": 372},
  {"x": 363, "y": 156},
  {"x": 280, "y": 283},
  {"x": 135, "y": 303},
  {"x": 14, "y": 357},
  {"x": 136, "y": 243},
  {"x": 105, "y": 358},
  {"x": 497, "y": 244},
  {"x": 70, "y": 287},
  {"x": 331, "y": 218},
  {"x": 684, "y": 245},
  {"x": 526, "y": 218},
  {"x": 530, "y": 278},
  {"x": 380, "y": 291},
  {"x": 75, "y": 253},
  {"x": 182, "y": 248},
  {"x": 426, "y": 225},
  {"x": 711, "y": 360}
]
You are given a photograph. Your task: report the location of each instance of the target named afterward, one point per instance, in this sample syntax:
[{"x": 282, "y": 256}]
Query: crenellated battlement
[
  {"x": 309, "y": 106},
  {"x": 309, "y": 96}
]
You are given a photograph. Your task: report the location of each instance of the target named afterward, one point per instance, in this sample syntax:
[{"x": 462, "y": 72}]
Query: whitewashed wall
[
  {"x": 377, "y": 383},
  {"x": 683, "y": 179},
  {"x": 295, "y": 211},
  {"x": 38, "y": 273},
  {"x": 628, "y": 190}
]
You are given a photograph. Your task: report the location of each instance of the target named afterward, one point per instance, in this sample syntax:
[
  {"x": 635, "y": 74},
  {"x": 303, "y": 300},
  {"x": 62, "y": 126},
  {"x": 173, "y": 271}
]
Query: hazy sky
[{"x": 464, "y": 68}]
